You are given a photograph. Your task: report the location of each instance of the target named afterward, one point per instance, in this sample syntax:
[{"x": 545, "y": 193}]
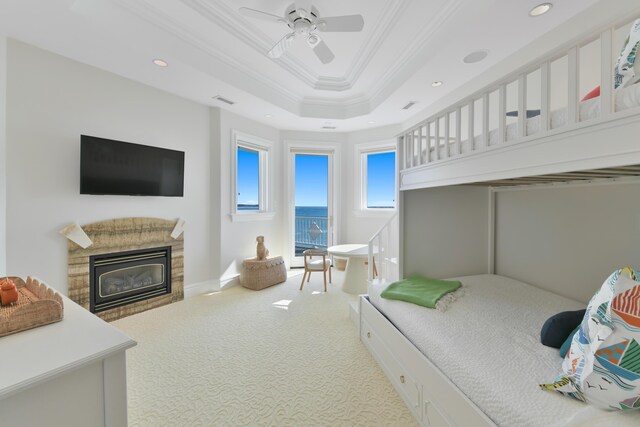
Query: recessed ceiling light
[
  {"x": 540, "y": 9},
  {"x": 371, "y": 122},
  {"x": 436, "y": 84},
  {"x": 160, "y": 62},
  {"x": 475, "y": 56},
  {"x": 268, "y": 116}
]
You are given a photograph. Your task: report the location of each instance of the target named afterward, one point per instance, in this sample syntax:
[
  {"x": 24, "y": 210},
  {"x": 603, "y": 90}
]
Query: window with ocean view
[
  {"x": 381, "y": 180},
  {"x": 248, "y": 180},
  {"x": 251, "y": 185},
  {"x": 311, "y": 197}
]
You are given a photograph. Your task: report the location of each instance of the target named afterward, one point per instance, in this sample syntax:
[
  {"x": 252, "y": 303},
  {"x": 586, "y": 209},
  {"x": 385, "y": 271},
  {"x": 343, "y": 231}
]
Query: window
[
  {"x": 377, "y": 177},
  {"x": 250, "y": 190},
  {"x": 381, "y": 180},
  {"x": 248, "y": 179}
]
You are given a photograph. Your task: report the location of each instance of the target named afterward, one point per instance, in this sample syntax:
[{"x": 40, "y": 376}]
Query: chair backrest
[{"x": 310, "y": 253}]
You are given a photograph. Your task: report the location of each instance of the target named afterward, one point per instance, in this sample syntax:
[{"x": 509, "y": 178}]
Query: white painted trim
[
  {"x": 266, "y": 167},
  {"x": 360, "y": 174},
  {"x": 332, "y": 149},
  {"x": 229, "y": 281},
  {"x": 491, "y": 263},
  {"x": 199, "y": 288},
  {"x": 252, "y": 216}
]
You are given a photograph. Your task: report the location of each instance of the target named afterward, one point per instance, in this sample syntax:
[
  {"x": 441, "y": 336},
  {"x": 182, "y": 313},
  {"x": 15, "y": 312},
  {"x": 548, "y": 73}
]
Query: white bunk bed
[{"x": 585, "y": 141}]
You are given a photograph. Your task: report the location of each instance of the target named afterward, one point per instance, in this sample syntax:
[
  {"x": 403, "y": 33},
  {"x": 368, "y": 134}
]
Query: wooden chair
[{"x": 311, "y": 265}]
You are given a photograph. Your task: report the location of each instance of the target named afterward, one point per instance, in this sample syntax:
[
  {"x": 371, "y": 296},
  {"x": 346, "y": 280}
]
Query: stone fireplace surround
[{"x": 120, "y": 235}]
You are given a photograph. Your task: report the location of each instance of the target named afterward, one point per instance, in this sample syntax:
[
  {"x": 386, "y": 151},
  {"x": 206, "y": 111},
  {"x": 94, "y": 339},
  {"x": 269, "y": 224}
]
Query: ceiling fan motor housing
[{"x": 300, "y": 20}]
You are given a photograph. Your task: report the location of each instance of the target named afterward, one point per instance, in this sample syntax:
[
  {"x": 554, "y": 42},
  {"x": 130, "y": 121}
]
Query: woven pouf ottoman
[{"x": 259, "y": 274}]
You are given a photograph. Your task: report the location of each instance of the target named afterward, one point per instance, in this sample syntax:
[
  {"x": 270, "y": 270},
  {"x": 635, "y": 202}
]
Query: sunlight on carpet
[{"x": 279, "y": 356}]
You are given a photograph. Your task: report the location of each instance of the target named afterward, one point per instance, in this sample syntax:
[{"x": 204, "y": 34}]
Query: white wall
[
  {"x": 51, "y": 101},
  {"x": 567, "y": 239},
  {"x": 446, "y": 231},
  {"x": 238, "y": 239},
  {"x": 3, "y": 156}
]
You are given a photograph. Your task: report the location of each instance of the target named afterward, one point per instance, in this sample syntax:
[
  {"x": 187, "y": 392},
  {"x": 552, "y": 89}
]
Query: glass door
[{"x": 313, "y": 208}]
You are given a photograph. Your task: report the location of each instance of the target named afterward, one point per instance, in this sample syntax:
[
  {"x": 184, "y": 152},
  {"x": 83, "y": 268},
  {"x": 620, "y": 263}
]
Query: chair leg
[
  {"x": 308, "y": 277},
  {"x": 303, "y": 277},
  {"x": 325, "y": 280},
  {"x": 330, "y": 274},
  {"x": 375, "y": 270}
]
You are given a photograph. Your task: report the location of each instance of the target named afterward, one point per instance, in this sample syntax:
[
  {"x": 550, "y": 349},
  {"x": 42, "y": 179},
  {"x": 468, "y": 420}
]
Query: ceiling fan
[{"x": 304, "y": 23}]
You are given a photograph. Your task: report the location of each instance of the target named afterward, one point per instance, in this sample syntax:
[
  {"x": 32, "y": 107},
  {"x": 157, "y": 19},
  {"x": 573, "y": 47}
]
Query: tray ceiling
[{"x": 214, "y": 50}]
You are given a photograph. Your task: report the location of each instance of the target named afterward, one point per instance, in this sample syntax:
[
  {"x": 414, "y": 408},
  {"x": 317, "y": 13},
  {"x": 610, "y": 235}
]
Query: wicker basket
[
  {"x": 259, "y": 274},
  {"x": 37, "y": 305}
]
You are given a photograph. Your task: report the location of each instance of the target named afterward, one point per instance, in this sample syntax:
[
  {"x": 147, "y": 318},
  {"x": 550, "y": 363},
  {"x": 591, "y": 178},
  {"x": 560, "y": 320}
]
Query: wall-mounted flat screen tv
[{"x": 122, "y": 168}]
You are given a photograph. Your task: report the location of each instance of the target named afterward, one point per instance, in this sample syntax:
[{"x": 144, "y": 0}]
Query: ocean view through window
[
  {"x": 311, "y": 202},
  {"x": 248, "y": 180}
]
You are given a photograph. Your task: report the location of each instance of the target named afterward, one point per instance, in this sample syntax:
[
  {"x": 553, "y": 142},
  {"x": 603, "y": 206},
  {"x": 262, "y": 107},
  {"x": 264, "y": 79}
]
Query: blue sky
[
  {"x": 311, "y": 180},
  {"x": 248, "y": 177},
  {"x": 381, "y": 185}
]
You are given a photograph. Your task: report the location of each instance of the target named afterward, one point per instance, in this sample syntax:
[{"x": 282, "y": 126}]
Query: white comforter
[{"x": 488, "y": 344}]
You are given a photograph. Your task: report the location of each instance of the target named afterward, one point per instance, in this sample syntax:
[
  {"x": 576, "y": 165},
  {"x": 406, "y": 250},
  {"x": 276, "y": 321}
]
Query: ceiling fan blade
[
  {"x": 323, "y": 52},
  {"x": 281, "y": 47},
  {"x": 347, "y": 23},
  {"x": 257, "y": 14}
]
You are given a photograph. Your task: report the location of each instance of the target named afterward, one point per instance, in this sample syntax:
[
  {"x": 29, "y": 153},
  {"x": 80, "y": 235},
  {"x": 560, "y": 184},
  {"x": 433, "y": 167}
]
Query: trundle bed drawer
[
  {"x": 407, "y": 387},
  {"x": 407, "y": 383}
]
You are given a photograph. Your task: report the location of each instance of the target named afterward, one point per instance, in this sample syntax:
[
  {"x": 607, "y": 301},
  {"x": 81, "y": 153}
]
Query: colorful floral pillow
[{"x": 602, "y": 366}]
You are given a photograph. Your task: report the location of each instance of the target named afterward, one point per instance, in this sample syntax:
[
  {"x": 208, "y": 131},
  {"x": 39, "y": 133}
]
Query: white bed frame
[{"x": 606, "y": 143}]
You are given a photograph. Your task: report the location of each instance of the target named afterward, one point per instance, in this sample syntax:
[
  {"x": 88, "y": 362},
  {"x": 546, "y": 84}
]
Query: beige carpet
[{"x": 242, "y": 358}]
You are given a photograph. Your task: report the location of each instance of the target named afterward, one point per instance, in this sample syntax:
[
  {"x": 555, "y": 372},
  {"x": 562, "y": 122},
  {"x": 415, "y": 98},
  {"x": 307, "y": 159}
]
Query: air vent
[
  {"x": 409, "y": 105},
  {"x": 329, "y": 127},
  {"x": 225, "y": 100}
]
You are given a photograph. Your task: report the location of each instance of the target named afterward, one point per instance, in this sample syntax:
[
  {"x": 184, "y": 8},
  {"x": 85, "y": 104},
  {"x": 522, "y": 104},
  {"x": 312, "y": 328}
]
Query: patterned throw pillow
[
  {"x": 602, "y": 366},
  {"x": 625, "y": 69}
]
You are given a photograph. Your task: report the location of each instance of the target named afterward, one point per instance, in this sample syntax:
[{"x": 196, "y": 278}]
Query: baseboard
[
  {"x": 199, "y": 288},
  {"x": 227, "y": 282}
]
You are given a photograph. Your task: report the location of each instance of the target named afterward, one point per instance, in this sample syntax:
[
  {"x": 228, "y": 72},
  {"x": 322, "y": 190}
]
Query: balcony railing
[{"x": 311, "y": 233}]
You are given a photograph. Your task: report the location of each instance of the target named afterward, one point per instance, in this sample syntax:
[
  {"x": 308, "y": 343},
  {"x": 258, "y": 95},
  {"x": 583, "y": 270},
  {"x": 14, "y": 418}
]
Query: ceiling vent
[
  {"x": 409, "y": 105},
  {"x": 225, "y": 100},
  {"x": 329, "y": 127}
]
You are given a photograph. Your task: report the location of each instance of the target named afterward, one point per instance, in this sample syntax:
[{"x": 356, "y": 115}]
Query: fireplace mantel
[{"x": 120, "y": 235}]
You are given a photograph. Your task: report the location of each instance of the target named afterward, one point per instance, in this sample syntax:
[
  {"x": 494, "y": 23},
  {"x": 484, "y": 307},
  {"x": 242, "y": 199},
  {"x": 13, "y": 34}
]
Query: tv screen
[{"x": 122, "y": 168}]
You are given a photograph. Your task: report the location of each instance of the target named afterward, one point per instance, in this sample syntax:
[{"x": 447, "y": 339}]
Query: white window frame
[
  {"x": 361, "y": 175},
  {"x": 265, "y": 190}
]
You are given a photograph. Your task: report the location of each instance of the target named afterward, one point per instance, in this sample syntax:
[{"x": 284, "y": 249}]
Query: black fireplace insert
[{"x": 117, "y": 279}]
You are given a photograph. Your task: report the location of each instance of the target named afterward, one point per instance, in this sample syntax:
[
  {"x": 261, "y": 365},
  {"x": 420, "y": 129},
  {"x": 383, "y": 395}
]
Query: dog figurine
[{"x": 261, "y": 251}]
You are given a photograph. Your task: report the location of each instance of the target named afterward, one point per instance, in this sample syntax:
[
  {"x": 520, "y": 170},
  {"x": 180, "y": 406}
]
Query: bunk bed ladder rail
[{"x": 384, "y": 252}]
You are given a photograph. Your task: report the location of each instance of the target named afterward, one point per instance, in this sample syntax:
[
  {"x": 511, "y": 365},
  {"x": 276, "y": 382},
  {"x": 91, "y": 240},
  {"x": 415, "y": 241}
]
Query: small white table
[{"x": 355, "y": 275}]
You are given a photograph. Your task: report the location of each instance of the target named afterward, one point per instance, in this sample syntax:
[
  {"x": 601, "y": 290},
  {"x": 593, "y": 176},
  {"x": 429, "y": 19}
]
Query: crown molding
[
  {"x": 220, "y": 14},
  {"x": 152, "y": 15}
]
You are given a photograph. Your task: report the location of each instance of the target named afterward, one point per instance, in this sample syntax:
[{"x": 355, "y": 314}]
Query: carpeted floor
[{"x": 275, "y": 357}]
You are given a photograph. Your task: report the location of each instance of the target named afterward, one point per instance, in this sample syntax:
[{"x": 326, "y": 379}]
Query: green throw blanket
[{"x": 420, "y": 290}]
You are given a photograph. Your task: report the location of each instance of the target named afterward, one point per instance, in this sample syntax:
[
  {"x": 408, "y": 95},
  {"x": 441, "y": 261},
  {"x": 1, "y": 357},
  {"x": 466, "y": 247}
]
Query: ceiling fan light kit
[{"x": 303, "y": 23}]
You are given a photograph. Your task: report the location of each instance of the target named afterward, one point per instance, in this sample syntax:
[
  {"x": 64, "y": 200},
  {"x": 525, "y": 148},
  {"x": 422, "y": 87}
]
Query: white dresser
[{"x": 70, "y": 373}]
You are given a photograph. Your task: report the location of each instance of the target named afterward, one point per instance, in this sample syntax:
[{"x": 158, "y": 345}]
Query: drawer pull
[
  {"x": 402, "y": 379},
  {"x": 368, "y": 334}
]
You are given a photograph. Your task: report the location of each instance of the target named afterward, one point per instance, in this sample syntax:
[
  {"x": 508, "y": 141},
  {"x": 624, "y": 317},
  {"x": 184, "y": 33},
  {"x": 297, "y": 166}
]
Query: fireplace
[{"x": 122, "y": 278}]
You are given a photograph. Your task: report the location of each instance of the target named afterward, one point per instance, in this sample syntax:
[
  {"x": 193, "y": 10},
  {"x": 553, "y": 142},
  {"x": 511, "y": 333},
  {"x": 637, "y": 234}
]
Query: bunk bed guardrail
[
  {"x": 553, "y": 95},
  {"x": 384, "y": 253}
]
